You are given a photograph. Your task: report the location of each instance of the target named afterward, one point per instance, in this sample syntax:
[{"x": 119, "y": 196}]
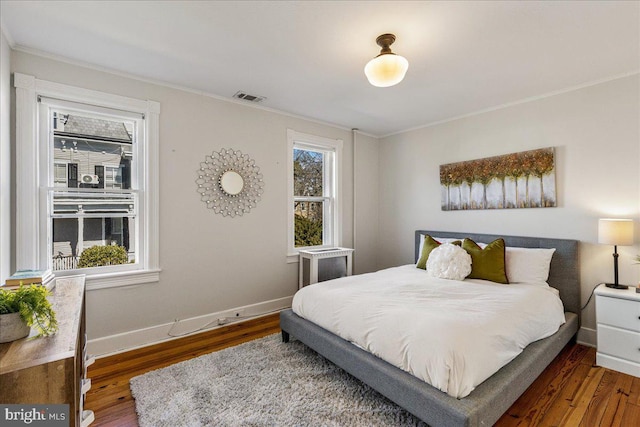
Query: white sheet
[{"x": 451, "y": 334}]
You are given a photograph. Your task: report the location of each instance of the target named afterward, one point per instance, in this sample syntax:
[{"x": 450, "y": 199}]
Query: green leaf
[{"x": 32, "y": 304}]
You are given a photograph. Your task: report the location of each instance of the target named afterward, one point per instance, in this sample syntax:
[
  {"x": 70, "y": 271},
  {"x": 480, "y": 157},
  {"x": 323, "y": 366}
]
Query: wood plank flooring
[
  {"x": 110, "y": 397},
  {"x": 572, "y": 391}
]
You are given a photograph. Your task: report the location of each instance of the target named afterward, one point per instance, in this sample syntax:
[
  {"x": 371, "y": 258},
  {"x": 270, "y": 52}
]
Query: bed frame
[{"x": 486, "y": 404}]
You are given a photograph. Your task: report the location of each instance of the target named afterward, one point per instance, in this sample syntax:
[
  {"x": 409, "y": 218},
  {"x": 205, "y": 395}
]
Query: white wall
[
  {"x": 209, "y": 263},
  {"x": 366, "y": 204},
  {"x": 596, "y": 134},
  {"x": 212, "y": 264},
  {"x": 5, "y": 158}
]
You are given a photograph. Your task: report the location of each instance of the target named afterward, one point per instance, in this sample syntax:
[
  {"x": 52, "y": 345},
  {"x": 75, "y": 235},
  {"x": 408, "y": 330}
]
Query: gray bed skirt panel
[{"x": 483, "y": 407}]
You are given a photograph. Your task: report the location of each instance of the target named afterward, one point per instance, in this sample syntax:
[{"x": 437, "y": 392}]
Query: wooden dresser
[{"x": 52, "y": 369}]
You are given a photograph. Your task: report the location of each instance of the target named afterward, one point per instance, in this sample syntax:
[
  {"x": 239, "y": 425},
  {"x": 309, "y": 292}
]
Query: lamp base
[{"x": 616, "y": 286}]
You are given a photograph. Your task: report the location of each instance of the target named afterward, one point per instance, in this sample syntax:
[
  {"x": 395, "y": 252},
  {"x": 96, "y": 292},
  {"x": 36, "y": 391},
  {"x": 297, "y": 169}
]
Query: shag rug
[{"x": 261, "y": 383}]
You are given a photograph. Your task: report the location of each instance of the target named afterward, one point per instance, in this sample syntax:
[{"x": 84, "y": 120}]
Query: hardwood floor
[
  {"x": 110, "y": 397},
  {"x": 572, "y": 391}
]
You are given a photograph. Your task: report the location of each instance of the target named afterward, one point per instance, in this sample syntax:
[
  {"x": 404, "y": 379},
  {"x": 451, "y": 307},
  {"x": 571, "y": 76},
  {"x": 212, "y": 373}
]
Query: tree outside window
[
  {"x": 313, "y": 191},
  {"x": 308, "y": 180}
]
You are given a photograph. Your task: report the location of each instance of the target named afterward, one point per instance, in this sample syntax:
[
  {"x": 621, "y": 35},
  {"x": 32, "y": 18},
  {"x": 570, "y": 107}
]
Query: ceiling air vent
[{"x": 247, "y": 97}]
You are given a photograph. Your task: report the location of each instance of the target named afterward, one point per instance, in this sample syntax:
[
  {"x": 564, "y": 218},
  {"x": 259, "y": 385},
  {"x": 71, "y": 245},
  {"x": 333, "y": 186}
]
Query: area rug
[{"x": 261, "y": 383}]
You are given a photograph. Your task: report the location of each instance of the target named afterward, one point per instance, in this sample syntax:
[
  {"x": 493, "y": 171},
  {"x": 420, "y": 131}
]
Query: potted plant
[{"x": 24, "y": 308}]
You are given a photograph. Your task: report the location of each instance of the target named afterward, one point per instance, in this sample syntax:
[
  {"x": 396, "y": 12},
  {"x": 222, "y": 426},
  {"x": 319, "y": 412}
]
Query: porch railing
[{"x": 65, "y": 262}]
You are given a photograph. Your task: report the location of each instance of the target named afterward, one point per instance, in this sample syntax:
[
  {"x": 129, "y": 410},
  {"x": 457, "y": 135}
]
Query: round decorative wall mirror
[{"x": 229, "y": 182}]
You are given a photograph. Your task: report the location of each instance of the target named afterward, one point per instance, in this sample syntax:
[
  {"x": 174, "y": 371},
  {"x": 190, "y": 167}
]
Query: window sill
[
  {"x": 120, "y": 279},
  {"x": 292, "y": 258}
]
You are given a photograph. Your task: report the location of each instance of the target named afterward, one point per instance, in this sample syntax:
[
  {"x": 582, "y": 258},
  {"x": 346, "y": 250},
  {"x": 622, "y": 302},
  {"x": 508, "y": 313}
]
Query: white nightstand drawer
[
  {"x": 619, "y": 343},
  {"x": 618, "y": 312}
]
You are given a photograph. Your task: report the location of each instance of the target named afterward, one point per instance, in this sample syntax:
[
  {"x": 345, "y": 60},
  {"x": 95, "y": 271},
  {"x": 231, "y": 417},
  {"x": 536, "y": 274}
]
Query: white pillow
[
  {"x": 528, "y": 265},
  {"x": 449, "y": 261},
  {"x": 437, "y": 239}
]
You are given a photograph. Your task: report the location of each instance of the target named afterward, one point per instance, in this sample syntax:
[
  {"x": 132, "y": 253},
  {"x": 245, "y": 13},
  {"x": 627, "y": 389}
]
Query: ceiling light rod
[
  {"x": 384, "y": 41},
  {"x": 386, "y": 69}
]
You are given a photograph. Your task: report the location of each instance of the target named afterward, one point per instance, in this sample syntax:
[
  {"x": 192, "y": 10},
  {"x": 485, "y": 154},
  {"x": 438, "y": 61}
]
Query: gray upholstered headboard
[{"x": 565, "y": 270}]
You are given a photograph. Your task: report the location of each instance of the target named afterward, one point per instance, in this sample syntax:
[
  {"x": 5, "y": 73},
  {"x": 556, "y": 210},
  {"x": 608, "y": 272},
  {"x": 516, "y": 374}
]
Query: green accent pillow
[
  {"x": 487, "y": 263},
  {"x": 430, "y": 244}
]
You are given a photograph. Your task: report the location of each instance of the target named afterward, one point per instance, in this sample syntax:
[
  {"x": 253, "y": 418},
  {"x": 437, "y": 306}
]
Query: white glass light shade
[
  {"x": 617, "y": 232},
  {"x": 386, "y": 70}
]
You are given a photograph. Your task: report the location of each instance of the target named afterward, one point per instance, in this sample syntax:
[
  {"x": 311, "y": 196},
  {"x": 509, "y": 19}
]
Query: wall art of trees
[{"x": 518, "y": 180}]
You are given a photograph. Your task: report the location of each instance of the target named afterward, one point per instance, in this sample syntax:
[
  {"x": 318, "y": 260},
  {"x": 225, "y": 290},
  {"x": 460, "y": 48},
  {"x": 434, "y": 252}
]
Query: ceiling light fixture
[{"x": 386, "y": 69}]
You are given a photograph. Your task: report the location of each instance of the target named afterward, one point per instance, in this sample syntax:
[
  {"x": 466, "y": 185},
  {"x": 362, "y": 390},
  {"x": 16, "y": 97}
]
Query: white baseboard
[
  {"x": 112, "y": 344},
  {"x": 587, "y": 336}
]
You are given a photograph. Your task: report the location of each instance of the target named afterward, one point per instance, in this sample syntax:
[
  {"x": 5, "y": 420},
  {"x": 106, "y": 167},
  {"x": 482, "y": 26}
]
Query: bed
[{"x": 490, "y": 399}]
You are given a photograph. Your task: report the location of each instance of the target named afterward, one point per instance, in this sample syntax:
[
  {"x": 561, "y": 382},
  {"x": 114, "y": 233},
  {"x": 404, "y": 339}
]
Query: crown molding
[
  {"x": 60, "y": 58},
  {"x": 162, "y": 83},
  {"x": 514, "y": 103}
]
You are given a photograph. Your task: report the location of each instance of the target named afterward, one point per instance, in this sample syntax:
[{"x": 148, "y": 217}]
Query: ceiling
[{"x": 307, "y": 57}]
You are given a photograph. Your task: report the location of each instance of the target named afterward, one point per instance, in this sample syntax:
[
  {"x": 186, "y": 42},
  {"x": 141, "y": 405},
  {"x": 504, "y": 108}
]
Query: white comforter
[{"x": 451, "y": 334}]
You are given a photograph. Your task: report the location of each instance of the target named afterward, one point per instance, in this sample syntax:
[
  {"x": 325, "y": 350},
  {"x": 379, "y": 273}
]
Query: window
[
  {"x": 100, "y": 149},
  {"x": 96, "y": 184},
  {"x": 314, "y": 205},
  {"x": 60, "y": 174},
  {"x": 113, "y": 176}
]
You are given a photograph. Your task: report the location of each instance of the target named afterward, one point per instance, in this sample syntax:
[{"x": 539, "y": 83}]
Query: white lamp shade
[
  {"x": 386, "y": 70},
  {"x": 617, "y": 232}
]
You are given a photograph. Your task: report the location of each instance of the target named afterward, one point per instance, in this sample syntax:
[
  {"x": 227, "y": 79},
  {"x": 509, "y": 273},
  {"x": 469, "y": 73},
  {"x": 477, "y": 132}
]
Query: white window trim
[
  {"x": 311, "y": 141},
  {"x": 31, "y": 249}
]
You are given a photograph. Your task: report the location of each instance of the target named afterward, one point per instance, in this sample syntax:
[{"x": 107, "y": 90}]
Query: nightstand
[
  {"x": 618, "y": 319},
  {"x": 318, "y": 265}
]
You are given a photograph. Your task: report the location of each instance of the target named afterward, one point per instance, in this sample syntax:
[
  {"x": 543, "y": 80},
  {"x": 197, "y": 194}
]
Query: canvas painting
[{"x": 519, "y": 180}]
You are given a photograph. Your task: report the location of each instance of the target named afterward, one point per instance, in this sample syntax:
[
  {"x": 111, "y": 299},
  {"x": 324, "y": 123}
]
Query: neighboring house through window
[
  {"x": 101, "y": 147},
  {"x": 96, "y": 184},
  {"x": 314, "y": 197}
]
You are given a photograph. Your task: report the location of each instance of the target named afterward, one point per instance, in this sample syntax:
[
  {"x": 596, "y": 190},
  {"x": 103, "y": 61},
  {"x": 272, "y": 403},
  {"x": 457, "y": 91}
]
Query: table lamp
[{"x": 615, "y": 232}]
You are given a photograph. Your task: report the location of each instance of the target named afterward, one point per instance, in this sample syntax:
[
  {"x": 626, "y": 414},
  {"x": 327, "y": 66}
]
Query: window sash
[
  {"x": 328, "y": 193},
  {"x": 116, "y": 226},
  {"x": 324, "y": 160},
  {"x": 332, "y": 152},
  {"x": 93, "y": 203},
  {"x": 327, "y": 216},
  {"x": 60, "y": 178},
  {"x": 113, "y": 176}
]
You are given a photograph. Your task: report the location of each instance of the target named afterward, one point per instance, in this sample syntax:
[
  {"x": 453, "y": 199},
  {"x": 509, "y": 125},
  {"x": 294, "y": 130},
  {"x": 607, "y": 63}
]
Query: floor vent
[{"x": 247, "y": 97}]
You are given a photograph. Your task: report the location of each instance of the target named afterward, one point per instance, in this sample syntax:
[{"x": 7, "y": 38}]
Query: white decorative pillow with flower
[{"x": 449, "y": 261}]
